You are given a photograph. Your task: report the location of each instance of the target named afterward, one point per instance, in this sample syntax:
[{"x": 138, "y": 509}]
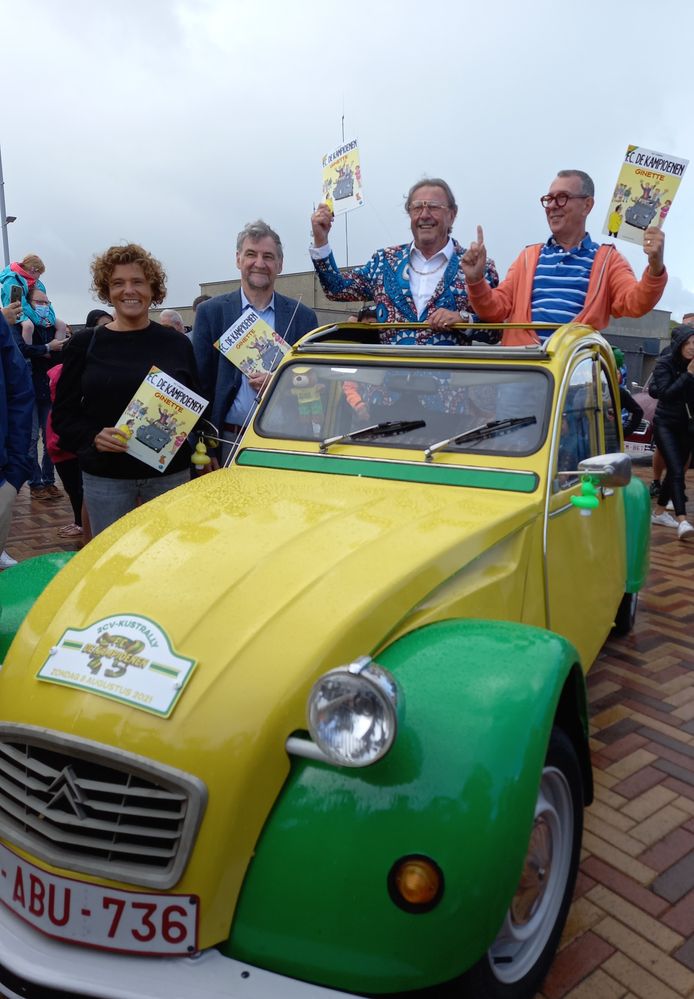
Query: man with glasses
[
  {"x": 41, "y": 348},
  {"x": 421, "y": 281},
  {"x": 25, "y": 275},
  {"x": 568, "y": 278}
]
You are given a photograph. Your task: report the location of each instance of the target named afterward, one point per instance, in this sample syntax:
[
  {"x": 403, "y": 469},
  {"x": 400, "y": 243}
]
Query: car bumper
[{"x": 33, "y": 965}]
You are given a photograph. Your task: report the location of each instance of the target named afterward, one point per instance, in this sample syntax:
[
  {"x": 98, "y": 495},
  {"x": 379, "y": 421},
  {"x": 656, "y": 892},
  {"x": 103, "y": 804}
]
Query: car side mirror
[
  {"x": 606, "y": 470},
  {"x": 612, "y": 469}
]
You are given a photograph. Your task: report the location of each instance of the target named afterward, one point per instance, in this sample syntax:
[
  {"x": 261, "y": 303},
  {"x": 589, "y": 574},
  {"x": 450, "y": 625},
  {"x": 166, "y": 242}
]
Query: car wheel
[
  {"x": 626, "y": 614},
  {"x": 515, "y": 965}
]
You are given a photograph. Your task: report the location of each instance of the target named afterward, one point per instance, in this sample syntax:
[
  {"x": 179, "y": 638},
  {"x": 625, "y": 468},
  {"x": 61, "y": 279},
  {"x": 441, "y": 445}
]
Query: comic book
[
  {"x": 342, "y": 188},
  {"x": 252, "y": 345},
  {"x": 159, "y": 417},
  {"x": 645, "y": 189}
]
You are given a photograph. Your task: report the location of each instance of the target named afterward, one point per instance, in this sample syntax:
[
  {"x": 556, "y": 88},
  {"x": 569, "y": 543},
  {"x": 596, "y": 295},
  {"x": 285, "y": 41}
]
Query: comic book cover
[
  {"x": 342, "y": 188},
  {"x": 252, "y": 345},
  {"x": 159, "y": 417},
  {"x": 645, "y": 189}
]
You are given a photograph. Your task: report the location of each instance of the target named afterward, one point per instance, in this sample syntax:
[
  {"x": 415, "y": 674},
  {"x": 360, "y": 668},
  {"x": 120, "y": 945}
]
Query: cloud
[{"x": 173, "y": 124}]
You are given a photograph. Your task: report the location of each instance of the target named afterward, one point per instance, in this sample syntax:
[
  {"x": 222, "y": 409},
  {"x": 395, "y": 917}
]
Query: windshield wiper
[
  {"x": 385, "y": 429},
  {"x": 482, "y": 432}
]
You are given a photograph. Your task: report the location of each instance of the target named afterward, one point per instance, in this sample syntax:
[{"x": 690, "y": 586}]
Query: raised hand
[
  {"x": 12, "y": 312},
  {"x": 474, "y": 260},
  {"x": 321, "y": 221},
  {"x": 654, "y": 248}
]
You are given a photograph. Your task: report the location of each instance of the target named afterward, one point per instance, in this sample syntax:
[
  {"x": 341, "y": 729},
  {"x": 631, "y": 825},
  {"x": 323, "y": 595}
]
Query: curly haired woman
[{"x": 102, "y": 369}]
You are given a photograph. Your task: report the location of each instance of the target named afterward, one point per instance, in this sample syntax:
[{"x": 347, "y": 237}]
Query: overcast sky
[{"x": 174, "y": 122}]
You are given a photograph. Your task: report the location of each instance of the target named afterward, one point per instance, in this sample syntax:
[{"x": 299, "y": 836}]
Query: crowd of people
[
  {"x": 63, "y": 394},
  {"x": 672, "y": 384}
]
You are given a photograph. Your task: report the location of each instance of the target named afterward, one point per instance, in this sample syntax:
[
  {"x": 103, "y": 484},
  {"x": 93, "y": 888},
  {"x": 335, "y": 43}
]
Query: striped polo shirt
[{"x": 561, "y": 281}]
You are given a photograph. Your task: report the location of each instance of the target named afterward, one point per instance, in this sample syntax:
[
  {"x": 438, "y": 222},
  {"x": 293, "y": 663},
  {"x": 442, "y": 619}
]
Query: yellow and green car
[{"x": 315, "y": 724}]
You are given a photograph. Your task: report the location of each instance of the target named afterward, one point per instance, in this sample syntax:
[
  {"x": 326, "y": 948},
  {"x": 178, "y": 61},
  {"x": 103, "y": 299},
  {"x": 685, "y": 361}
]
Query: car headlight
[{"x": 353, "y": 713}]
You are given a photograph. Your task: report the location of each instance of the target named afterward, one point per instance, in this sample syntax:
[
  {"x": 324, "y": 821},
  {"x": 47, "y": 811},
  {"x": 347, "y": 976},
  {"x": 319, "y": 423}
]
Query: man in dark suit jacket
[{"x": 259, "y": 258}]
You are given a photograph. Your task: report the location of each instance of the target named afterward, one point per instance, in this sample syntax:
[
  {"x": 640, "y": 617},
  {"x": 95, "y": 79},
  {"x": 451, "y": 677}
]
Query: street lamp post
[{"x": 3, "y": 217}]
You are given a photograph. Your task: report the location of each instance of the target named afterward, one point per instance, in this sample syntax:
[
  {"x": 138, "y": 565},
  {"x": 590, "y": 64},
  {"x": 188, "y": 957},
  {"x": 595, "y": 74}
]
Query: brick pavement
[
  {"x": 630, "y": 932},
  {"x": 35, "y": 525}
]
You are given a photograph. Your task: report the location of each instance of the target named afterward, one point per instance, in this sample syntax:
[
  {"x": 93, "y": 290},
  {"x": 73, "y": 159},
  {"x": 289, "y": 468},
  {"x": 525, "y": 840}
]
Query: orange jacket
[{"x": 612, "y": 291}]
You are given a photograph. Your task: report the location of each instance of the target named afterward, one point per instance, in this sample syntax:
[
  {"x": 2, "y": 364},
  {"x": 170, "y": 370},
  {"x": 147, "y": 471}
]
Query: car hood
[{"x": 266, "y": 579}]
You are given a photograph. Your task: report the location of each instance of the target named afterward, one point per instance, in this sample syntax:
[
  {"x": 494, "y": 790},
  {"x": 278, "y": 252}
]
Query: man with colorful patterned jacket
[{"x": 421, "y": 281}]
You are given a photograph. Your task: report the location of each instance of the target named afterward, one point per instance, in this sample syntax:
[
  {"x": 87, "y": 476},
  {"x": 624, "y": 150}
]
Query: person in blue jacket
[
  {"x": 16, "y": 408},
  {"x": 26, "y": 274},
  {"x": 41, "y": 352}
]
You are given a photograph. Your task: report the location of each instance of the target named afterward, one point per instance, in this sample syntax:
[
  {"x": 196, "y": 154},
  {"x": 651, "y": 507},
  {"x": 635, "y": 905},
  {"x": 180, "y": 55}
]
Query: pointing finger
[{"x": 480, "y": 235}]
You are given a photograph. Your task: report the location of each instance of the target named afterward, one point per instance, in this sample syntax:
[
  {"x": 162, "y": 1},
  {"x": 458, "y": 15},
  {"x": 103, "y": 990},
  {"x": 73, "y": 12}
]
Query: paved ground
[{"x": 631, "y": 928}]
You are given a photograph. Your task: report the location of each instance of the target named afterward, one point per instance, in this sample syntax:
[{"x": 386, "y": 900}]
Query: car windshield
[{"x": 409, "y": 407}]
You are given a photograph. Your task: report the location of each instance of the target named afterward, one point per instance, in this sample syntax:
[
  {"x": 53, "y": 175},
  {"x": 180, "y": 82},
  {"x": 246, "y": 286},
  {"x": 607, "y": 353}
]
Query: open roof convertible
[{"x": 316, "y": 723}]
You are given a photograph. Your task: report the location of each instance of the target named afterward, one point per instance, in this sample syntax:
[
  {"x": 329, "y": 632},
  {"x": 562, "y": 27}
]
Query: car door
[{"x": 585, "y": 553}]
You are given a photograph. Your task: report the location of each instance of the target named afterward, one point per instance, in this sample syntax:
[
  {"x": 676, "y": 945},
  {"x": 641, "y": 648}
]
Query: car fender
[
  {"x": 20, "y": 587},
  {"x": 637, "y": 508},
  {"x": 458, "y": 786}
]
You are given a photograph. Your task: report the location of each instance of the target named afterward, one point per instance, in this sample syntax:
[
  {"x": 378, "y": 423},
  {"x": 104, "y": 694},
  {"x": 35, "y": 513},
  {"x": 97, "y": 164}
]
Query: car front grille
[{"x": 92, "y": 808}]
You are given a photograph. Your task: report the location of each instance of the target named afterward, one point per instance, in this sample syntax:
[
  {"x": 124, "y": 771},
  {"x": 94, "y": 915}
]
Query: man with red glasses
[
  {"x": 569, "y": 277},
  {"x": 418, "y": 281}
]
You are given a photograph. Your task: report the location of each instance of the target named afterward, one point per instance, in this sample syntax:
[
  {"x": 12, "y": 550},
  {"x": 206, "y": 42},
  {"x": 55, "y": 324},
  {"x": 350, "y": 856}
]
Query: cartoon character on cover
[
  {"x": 269, "y": 352},
  {"x": 165, "y": 421},
  {"x": 136, "y": 408},
  {"x": 664, "y": 209},
  {"x": 614, "y": 221}
]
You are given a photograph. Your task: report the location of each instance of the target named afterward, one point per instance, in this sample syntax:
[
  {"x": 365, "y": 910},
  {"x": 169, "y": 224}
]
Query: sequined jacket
[{"x": 384, "y": 279}]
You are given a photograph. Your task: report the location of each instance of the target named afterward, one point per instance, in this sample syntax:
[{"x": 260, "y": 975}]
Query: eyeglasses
[
  {"x": 416, "y": 207},
  {"x": 559, "y": 199}
]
